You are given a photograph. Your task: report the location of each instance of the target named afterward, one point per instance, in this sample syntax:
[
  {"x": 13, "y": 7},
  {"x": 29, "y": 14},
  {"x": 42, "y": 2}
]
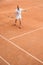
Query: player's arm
[{"x": 25, "y": 10}]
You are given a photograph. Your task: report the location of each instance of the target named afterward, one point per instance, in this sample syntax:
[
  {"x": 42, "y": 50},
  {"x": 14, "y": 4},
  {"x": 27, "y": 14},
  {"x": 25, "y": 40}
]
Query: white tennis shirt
[{"x": 19, "y": 13}]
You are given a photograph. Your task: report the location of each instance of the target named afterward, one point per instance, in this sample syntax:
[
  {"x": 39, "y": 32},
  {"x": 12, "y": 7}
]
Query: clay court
[{"x": 21, "y": 46}]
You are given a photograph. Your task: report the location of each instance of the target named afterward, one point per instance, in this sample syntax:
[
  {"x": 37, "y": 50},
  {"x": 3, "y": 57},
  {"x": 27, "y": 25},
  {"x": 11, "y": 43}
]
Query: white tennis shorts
[{"x": 18, "y": 17}]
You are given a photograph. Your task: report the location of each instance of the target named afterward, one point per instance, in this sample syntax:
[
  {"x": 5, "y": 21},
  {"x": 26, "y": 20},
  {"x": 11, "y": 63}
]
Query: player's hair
[{"x": 18, "y": 7}]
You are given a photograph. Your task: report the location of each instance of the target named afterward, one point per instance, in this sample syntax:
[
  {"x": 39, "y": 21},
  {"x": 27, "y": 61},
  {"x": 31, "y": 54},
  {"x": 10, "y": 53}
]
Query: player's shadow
[{"x": 15, "y": 26}]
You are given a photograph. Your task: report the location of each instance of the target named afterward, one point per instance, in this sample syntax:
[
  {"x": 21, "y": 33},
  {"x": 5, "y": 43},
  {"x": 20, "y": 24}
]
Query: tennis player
[{"x": 19, "y": 15}]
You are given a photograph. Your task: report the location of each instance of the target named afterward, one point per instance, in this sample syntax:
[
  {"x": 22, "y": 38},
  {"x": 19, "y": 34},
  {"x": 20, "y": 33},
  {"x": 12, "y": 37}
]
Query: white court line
[
  {"x": 26, "y": 33},
  {"x": 23, "y": 50},
  {"x": 4, "y": 60}
]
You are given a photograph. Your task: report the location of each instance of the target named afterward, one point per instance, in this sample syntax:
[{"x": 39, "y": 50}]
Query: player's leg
[
  {"x": 15, "y": 21},
  {"x": 20, "y": 23}
]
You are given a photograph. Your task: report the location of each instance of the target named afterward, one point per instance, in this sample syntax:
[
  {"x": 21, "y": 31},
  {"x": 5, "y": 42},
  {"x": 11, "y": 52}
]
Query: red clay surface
[{"x": 14, "y": 41}]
